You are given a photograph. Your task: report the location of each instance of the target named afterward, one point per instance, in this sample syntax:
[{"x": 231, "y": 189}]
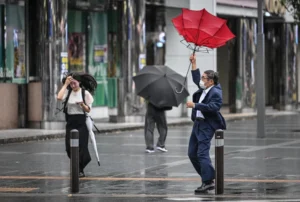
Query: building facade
[
  {"x": 237, "y": 61},
  {"x": 176, "y": 55},
  {"x": 41, "y": 40}
]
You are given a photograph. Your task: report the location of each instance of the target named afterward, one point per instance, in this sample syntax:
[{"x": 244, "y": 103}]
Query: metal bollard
[
  {"x": 74, "y": 163},
  {"x": 219, "y": 161}
]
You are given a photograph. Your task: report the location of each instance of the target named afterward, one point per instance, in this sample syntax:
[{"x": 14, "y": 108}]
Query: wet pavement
[{"x": 255, "y": 169}]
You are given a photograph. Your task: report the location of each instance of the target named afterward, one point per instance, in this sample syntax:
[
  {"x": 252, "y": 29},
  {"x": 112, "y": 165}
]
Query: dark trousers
[
  {"x": 198, "y": 151},
  {"x": 155, "y": 116},
  {"x": 78, "y": 122}
]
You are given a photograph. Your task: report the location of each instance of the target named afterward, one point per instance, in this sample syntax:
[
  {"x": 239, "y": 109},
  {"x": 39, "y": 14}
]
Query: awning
[
  {"x": 239, "y": 3},
  {"x": 240, "y": 8}
]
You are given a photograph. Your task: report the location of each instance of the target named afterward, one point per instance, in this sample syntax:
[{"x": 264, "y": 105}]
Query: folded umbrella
[
  {"x": 158, "y": 85},
  {"x": 89, "y": 124}
]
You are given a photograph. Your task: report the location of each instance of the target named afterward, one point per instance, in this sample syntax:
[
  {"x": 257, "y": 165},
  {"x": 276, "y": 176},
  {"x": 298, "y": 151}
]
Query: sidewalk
[{"x": 132, "y": 123}]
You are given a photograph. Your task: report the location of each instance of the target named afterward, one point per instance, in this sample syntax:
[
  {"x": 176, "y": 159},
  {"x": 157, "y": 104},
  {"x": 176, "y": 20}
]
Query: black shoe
[
  {"x": 149, "y": 150},
  {"x": 81, "y": 174},
  {"x": 205, "y": 187}
]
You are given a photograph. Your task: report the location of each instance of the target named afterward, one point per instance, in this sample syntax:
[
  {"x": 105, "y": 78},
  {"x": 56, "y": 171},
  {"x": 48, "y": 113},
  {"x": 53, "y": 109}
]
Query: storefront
[
  {"x": 12, "y": 48},
  {"x": 13, "y": 63},
  {"x": 87, "y": 46},
  {"x": 237, "y": 61}
]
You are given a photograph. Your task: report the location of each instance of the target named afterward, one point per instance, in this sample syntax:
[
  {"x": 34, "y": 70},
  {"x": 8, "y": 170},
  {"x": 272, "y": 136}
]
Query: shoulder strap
[
  {"x": 66, "y": 101},
  {"x": 83, "y": 95}
]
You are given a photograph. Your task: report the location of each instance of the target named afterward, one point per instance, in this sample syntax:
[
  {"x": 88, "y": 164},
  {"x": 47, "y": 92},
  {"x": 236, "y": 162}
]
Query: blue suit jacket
[{"x": 210, "y": 106}]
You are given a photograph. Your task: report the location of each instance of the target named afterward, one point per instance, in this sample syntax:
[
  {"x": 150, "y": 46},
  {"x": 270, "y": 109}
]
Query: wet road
[{"x": 255, "y": 169}]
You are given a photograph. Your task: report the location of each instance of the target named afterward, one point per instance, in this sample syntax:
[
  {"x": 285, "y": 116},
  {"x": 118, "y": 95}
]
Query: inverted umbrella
[
  {"x": 158, "y": 85},
  {"x": 89, "y": 124},
  {"x": 200, "y": 29}
]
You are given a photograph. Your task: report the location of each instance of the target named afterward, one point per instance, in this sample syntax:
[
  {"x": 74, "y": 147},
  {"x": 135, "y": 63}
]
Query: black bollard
[
  {"x": 219, "y": 161},
  {"x": 74, "y": 163}
]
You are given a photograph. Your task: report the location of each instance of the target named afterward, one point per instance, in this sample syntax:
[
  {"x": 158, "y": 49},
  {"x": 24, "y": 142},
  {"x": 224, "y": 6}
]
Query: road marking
[
  {"x": 189, "y": 199},
  {"x": 271, "y": 146},
  {"x": 210, "y": 197},
  {"x": 164, "y": 165},
  {"x": 185, "y": 145},
  {"x": 14, "y": 189},
  {"x": 211, "y": 200},
  {"x": 145, "y": 179}
]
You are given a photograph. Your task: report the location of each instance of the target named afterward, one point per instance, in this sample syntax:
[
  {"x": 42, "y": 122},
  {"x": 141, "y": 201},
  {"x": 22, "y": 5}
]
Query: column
[
  {"x": 52, "y": 41},
  {"x": 126, "y": 45}
]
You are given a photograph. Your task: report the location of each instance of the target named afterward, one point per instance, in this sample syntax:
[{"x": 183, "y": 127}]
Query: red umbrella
[{"x": 202, "y": 28}]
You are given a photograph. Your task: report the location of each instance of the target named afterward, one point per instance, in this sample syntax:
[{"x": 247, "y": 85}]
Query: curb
[{"x": 31, "y": 138}]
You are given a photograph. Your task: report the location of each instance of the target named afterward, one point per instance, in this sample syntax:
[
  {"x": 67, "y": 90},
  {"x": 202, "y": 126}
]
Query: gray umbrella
[{"x": 160, "y": 85}]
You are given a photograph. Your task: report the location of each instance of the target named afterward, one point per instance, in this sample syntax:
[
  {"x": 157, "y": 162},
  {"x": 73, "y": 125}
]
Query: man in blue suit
[{"x": 207, "y": 118}]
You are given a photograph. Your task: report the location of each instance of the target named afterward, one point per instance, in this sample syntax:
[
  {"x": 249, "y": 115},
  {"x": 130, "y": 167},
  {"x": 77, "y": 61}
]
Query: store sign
[
  {"x": 19, "y": 2},
  {"x": 275, "y": 7},
  {"x": 100, "y": 53},
  {"x": 90, "y": 5},
  {"x": 64, "y": 64},
  {"x": 12, "y": 1},
  {"x": 83, "y": 4},
  {"x": 142, "y": 61}
]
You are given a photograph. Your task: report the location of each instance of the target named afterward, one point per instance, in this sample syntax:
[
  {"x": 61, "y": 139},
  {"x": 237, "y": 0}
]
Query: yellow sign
[{"x": 64, "y": 63}]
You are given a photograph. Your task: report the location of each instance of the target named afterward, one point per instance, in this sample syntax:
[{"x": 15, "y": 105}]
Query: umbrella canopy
[
  {"x": 159, "y": 85},
  {"x": 89, "y": 124},
  {"x": 202, "y": 28}
]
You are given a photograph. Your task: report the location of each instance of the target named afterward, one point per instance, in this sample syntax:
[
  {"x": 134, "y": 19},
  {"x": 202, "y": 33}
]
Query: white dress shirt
[{"x": 204, "y": 93}]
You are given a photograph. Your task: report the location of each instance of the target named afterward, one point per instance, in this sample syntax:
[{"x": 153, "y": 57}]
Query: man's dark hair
[{"x": 213, "y": 75}]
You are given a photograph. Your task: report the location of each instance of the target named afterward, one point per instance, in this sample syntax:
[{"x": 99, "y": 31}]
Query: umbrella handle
[
  {"x": 179, "y": 91},
  {"x": 185, "y": 75}
]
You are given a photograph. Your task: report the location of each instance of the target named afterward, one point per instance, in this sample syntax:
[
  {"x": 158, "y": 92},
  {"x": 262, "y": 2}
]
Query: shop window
[
  {"x": 155, "y": 35},
  {"x": 97, "y": 54},
  {"x": 12, "y": 44},
  {"x": 87, "y": 48},
  {"x": 76, "y": 41}
]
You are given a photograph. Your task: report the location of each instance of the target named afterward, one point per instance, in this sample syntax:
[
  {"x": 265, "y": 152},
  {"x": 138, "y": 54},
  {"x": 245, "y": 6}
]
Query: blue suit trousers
[{"x": 198, "y": 151}]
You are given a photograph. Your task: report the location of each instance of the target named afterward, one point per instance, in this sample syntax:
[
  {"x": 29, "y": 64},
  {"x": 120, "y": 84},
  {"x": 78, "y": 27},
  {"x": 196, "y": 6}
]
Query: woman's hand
[
  {"x": 61, "y": 93},
  {"x": 68, "y": 80},
  {"x": 84, "y": 106}
]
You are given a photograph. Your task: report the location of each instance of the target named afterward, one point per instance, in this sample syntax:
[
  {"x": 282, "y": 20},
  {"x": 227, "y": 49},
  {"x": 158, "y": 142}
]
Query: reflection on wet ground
[{"x": 255, "y": 169}]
